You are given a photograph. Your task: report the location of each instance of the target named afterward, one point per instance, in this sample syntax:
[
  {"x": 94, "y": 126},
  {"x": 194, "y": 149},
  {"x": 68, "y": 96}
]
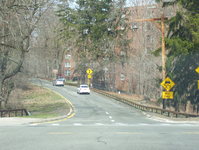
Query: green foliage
[
  {"x": 156, "y": 52},
  {"x": 184, "y": 75},
  {"x": 94, "y": 26}
]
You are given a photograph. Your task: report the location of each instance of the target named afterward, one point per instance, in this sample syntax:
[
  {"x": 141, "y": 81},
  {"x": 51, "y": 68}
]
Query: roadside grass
[
  {"x": 43, "y": 103},
  {"x": 71, "y": 83}
]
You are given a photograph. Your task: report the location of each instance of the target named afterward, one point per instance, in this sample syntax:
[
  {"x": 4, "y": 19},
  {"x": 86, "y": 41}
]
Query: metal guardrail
[
  {"x": 13, "y": 113},
  {"x": 142, "y": 107}
]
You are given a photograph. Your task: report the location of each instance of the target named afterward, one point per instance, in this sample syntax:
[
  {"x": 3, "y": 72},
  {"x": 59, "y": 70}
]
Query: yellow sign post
[
  {"x": 89, "y": 72},
  {"x": 167, "y": 95},
  {"x": 167, "y": 84}
]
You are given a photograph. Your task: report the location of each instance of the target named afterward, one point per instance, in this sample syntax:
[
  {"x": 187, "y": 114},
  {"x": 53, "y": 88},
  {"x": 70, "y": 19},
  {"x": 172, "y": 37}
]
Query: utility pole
[
  {"x": 163, "y": 48},
  {"x": 161, "y": 27}
]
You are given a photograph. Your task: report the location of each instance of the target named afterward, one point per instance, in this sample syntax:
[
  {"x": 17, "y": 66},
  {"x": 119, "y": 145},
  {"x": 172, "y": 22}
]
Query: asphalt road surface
[{"x": 99, "y": 123}]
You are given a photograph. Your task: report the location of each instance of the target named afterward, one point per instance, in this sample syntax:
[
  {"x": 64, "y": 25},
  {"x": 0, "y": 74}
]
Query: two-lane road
[{"x": 99, "y": 123}]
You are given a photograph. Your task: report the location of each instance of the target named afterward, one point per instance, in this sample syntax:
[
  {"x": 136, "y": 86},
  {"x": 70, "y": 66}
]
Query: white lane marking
[
  {"x": 35, "y": 124},
  {"x": 143, "y": 124},
  {"x": 60, "y": 133},
  {"x": 77, "y": 124},
  {"x": 149, "y": 116},
  {"x": 165, "y": 124},
  {"x": 120, "y": 124},
  {"x": 128, "y": 133},
  {"x": 144, "y": 113},
  {"x": 110, "y": 117},
  {"x": 55, "y": 124},
  {"x": 99, "y": 124},
  {"x": 107, "y": 113},
  {"x": 117, "y": 124}
]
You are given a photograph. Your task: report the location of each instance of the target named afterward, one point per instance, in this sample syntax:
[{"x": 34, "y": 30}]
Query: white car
[
  {"x": 58, "y": 82},
  {"x": 83, "y": 89}
]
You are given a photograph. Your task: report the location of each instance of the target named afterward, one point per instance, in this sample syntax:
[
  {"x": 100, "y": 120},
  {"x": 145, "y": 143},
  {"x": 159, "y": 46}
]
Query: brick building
[
  {"x": 139, "y": 74},
  {"x": 68, "y": 66}
]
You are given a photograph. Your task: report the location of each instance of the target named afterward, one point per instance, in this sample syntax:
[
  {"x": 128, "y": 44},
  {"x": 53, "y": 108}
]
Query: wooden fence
[
  {"x": 13, "y": 113},
  {"x": 142, "y": 107}
]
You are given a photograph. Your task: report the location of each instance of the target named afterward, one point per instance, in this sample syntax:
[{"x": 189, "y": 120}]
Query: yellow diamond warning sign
[
  {"x": 89, "y": 71},
  {"x": 167, "y": 84},
  {"x": 197, "y": 70},
  {"x": 167, "y": 95}
]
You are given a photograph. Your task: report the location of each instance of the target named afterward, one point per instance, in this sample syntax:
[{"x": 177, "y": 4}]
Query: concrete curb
[{"x": 161, "y": 118}]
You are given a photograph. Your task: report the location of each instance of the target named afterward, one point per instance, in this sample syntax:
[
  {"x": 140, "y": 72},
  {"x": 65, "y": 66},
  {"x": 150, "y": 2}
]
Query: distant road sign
[
  {"x": 167, "y": 95},
  {"x": 89, "y": 71},
  {"x": 89, "y": 76},
  {"x": 167, "y": 83},
  {"x": 197, "y": 70}
]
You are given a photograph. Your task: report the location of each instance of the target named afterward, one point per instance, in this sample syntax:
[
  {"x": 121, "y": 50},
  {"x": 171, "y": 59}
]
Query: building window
[
  {"x": 67, "y": 73},
  {"x": 67, "y": 65},
  {"x": 68, "y": 56}
]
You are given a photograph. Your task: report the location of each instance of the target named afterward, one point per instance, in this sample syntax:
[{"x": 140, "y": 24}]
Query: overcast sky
[
  {"x": 132, "y": 2},
  {"x": 139, "y": 2}
]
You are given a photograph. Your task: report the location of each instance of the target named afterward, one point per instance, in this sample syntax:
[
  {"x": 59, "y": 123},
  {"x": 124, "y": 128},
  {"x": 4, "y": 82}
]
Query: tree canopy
[{"x": 95, "y": 28}]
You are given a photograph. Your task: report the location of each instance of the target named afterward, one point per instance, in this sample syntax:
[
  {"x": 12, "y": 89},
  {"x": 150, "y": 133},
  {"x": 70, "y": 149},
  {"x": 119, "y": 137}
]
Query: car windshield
[
  {"x": 84, "y": 86},
  {"x": 60, "y": 80}
]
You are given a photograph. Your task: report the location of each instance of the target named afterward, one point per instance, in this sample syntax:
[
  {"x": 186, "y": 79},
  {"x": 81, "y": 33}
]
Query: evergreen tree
[{"x": 96, "y": 26}]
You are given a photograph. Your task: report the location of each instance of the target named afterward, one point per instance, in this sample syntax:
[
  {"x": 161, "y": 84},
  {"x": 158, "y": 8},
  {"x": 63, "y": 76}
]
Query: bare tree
[{"x": 18, "y": 19}]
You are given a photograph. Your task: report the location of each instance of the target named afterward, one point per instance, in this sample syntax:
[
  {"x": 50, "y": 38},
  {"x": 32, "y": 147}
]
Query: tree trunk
[
  {"x": 2, "y": 100},
  {"x": 176, "y": 107}
]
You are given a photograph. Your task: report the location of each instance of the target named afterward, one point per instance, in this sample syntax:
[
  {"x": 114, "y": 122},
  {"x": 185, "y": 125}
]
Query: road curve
[{"x": 99, "y": 123}]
